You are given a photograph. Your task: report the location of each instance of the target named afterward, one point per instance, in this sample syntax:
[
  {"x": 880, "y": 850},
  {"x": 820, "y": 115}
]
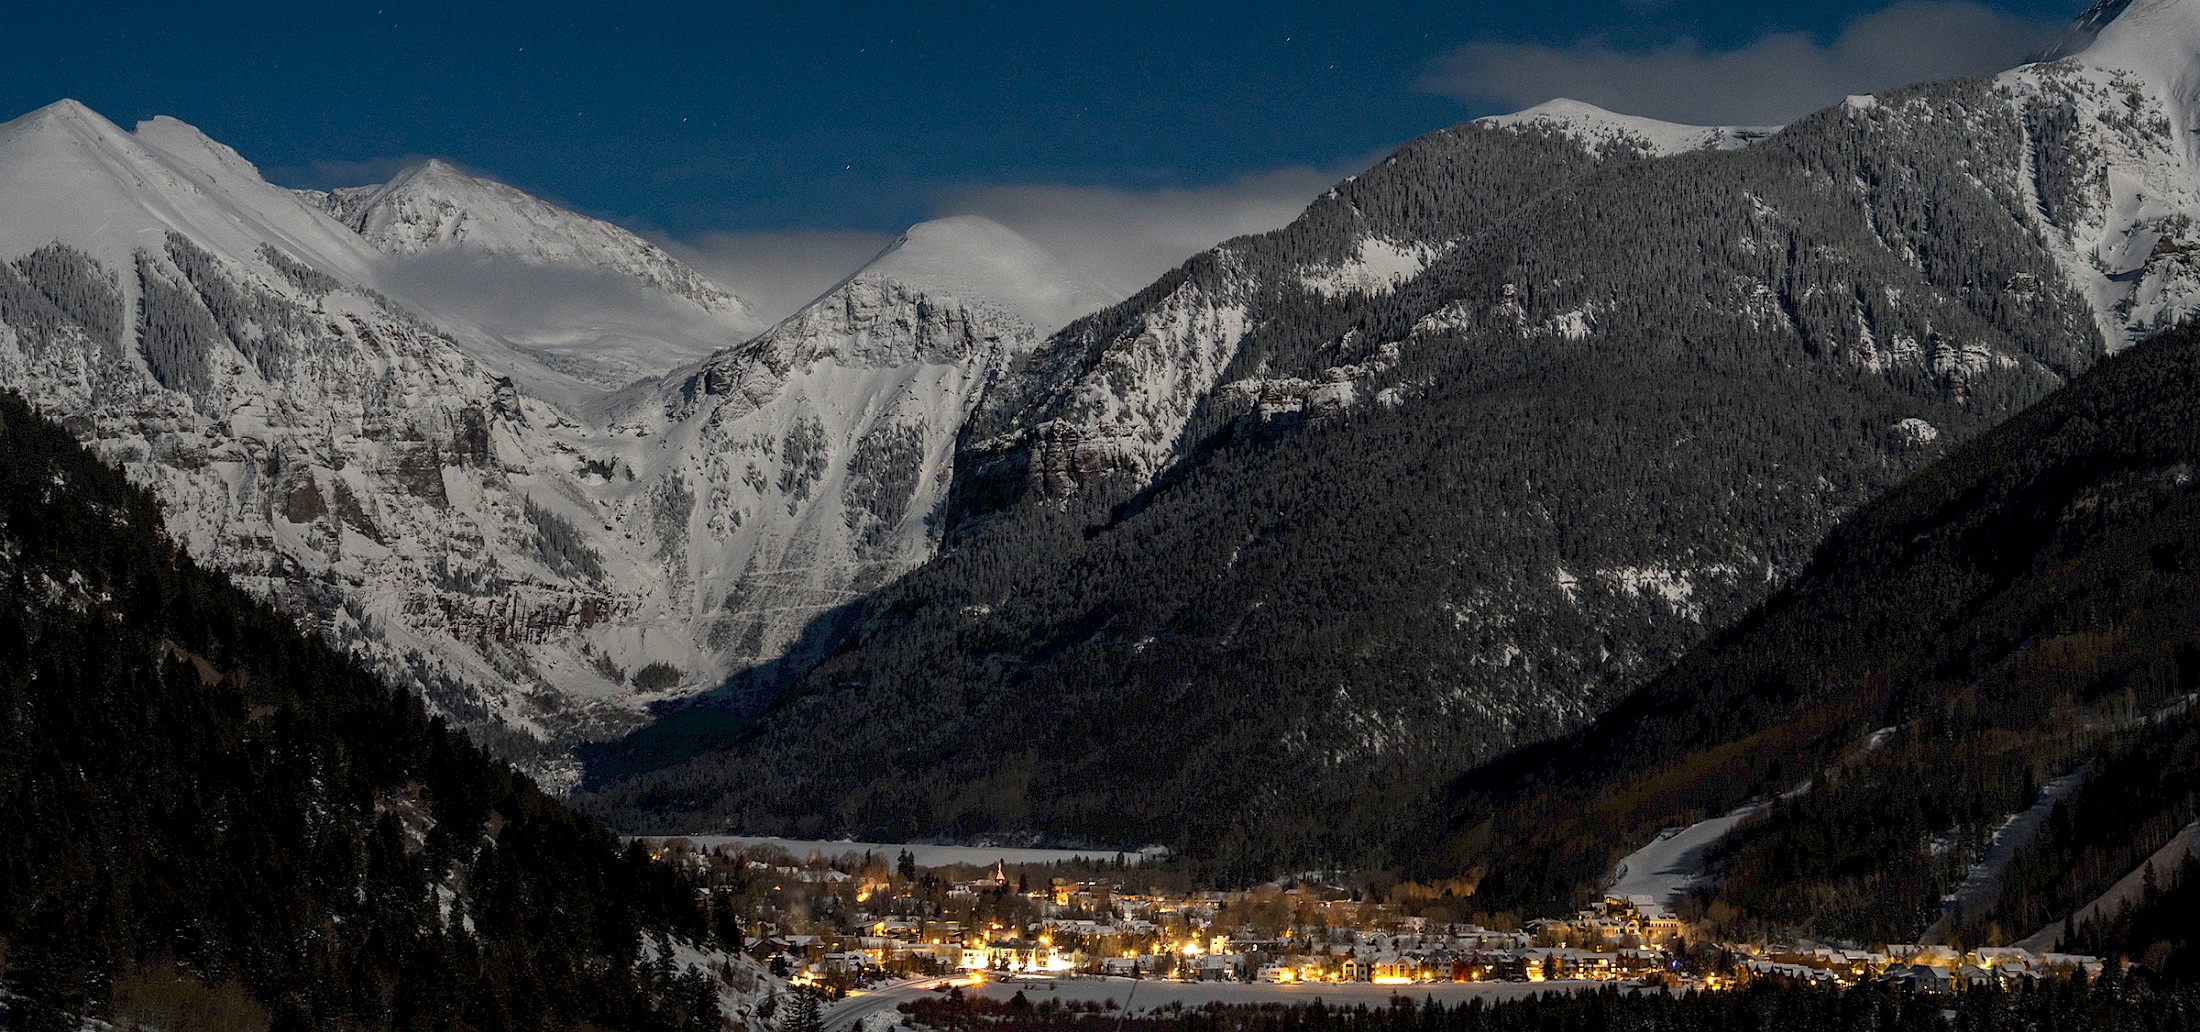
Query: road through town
[{"x": 844, "y": 1015}]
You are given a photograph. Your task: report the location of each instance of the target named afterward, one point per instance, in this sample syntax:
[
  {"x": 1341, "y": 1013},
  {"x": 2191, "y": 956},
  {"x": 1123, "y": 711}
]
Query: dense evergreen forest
[
  {"x": 2019, "y": 613},
  {"x": 1626, "y": 399},
  {"x": 208, "y": 813}
]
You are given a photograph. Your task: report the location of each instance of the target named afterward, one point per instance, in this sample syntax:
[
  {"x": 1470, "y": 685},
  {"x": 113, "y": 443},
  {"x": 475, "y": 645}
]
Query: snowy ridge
[
  {"x": 473, "y": 505},
  {"x": 969, "y": 259},
  {"x": 72, "y": 175},
  {"x": 1597, "y": 128},
  {"x": 566, "y": 305},
  {"x": 2129, "y": 72},
  {"x": 435, "y": 207}
]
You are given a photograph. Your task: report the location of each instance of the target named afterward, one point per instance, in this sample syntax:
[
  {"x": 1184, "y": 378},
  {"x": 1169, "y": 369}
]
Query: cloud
[
  {"x": 1123, "y": 238},
  {"x": 1118, "y": 238},
  {"x": 597, "y": 324},
  {"x": 777, "y": 271},
  {"x": 328, "y": 175},
  {"x": 1770, "y": 81}
]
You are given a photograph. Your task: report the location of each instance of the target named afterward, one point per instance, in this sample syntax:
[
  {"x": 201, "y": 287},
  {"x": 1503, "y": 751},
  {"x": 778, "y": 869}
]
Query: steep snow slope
[
  {"x": 2118, "y": 201},
  {"x": 438, "y": 486},
  {"x": 435, "y": 207},
  {"x": 1596, "y": 128},
  {"x": 809, "y": 465},
  {"x": 594, "y": 304},
  {"x": 72, "y": 175},
  {"x": 1656, "y": 876}
]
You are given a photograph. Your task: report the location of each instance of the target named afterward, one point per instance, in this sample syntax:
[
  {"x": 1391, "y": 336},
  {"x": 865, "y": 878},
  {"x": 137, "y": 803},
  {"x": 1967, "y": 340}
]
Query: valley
[{"x": 1572, "y": 569}]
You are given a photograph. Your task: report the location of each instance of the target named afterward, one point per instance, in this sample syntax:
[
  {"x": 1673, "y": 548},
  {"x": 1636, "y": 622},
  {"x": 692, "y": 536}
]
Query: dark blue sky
[{"x": 697, "y": 117}]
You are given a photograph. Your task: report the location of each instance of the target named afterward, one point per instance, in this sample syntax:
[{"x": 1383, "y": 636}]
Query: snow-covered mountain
[
  {"x": 975, "y": 258},
  {"x": 2106, "y": 129},
  {"x": 2119, "y": 109},
  {"x": 545, "y": 522},
  {"x": 232, "y": 347},
  {"x": 1494, "y": 431},
  {"x": 1595, "y": 128},
  {"x": 433, "y": 207},
  {"x": 809, "y": 465},
  {"x": 580, "y": 303}
]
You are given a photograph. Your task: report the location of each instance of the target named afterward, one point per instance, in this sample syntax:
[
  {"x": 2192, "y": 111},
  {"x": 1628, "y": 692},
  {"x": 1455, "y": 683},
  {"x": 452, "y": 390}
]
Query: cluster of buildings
[
  {"x": 1929, "y": 968},
  {"x": 1096, "y": 928},
  {"x": 819, "y": 922}
]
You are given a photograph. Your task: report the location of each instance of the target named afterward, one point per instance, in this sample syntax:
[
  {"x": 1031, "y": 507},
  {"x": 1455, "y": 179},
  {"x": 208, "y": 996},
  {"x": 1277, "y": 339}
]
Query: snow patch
[
  {"x": 1916, "y": 432},
  {"x": 1597, "y": 128},
  {"x": 1378, "y": 267},
  {"x": 970, "y": 259},
  {"x": 1656, "y": 875},
  {"x": 1675, "y": 587}
]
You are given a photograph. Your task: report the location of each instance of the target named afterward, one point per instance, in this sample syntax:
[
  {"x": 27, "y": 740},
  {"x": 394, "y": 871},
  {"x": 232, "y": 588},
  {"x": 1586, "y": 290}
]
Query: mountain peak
[
  {"x": 974, "y": 259},
  {"x": 2157, "y": 38},
  {"x": 69, "y": 117},
  {"x": 187, "y": 143},
  {"x": 66, "y": 109},
  {"x": 439, "y": 171},
  {"x": 1595, "y": 127},
  {"x": 74, "y": 176},
  {"x": 436, "y": 207}
]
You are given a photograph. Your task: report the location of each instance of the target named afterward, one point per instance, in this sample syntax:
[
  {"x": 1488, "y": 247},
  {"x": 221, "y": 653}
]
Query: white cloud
[
  {"x": 1124, "y": 239},
  {"x": 1120, "y": 239},
  {"x": 1769, "y": 81},
  {"x": 329, "y": 175},
  {"x": 777, "y": 271}
]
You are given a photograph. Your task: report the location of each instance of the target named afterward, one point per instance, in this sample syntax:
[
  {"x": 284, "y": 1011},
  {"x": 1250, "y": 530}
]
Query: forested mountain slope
[
  {"x": 1267, "y": 542},
  {"x": 188, "y": 784},
  {"x": 2020, "y": 612},
  {"x": 1490, "y": 435}
]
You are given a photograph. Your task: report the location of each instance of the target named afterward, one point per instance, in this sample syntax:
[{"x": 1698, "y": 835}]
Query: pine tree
[{"x": 808, "y": 1012}]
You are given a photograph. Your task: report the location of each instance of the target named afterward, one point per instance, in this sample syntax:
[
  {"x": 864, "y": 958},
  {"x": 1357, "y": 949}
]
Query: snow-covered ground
[
  {"x": 2165, "y": 861},
  {"x": 1595, "y": 127},
  {"x": 929, "y": 855},
  {"x": 1657, "y": 874},
  {"x": 1983, "y": 882}
]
